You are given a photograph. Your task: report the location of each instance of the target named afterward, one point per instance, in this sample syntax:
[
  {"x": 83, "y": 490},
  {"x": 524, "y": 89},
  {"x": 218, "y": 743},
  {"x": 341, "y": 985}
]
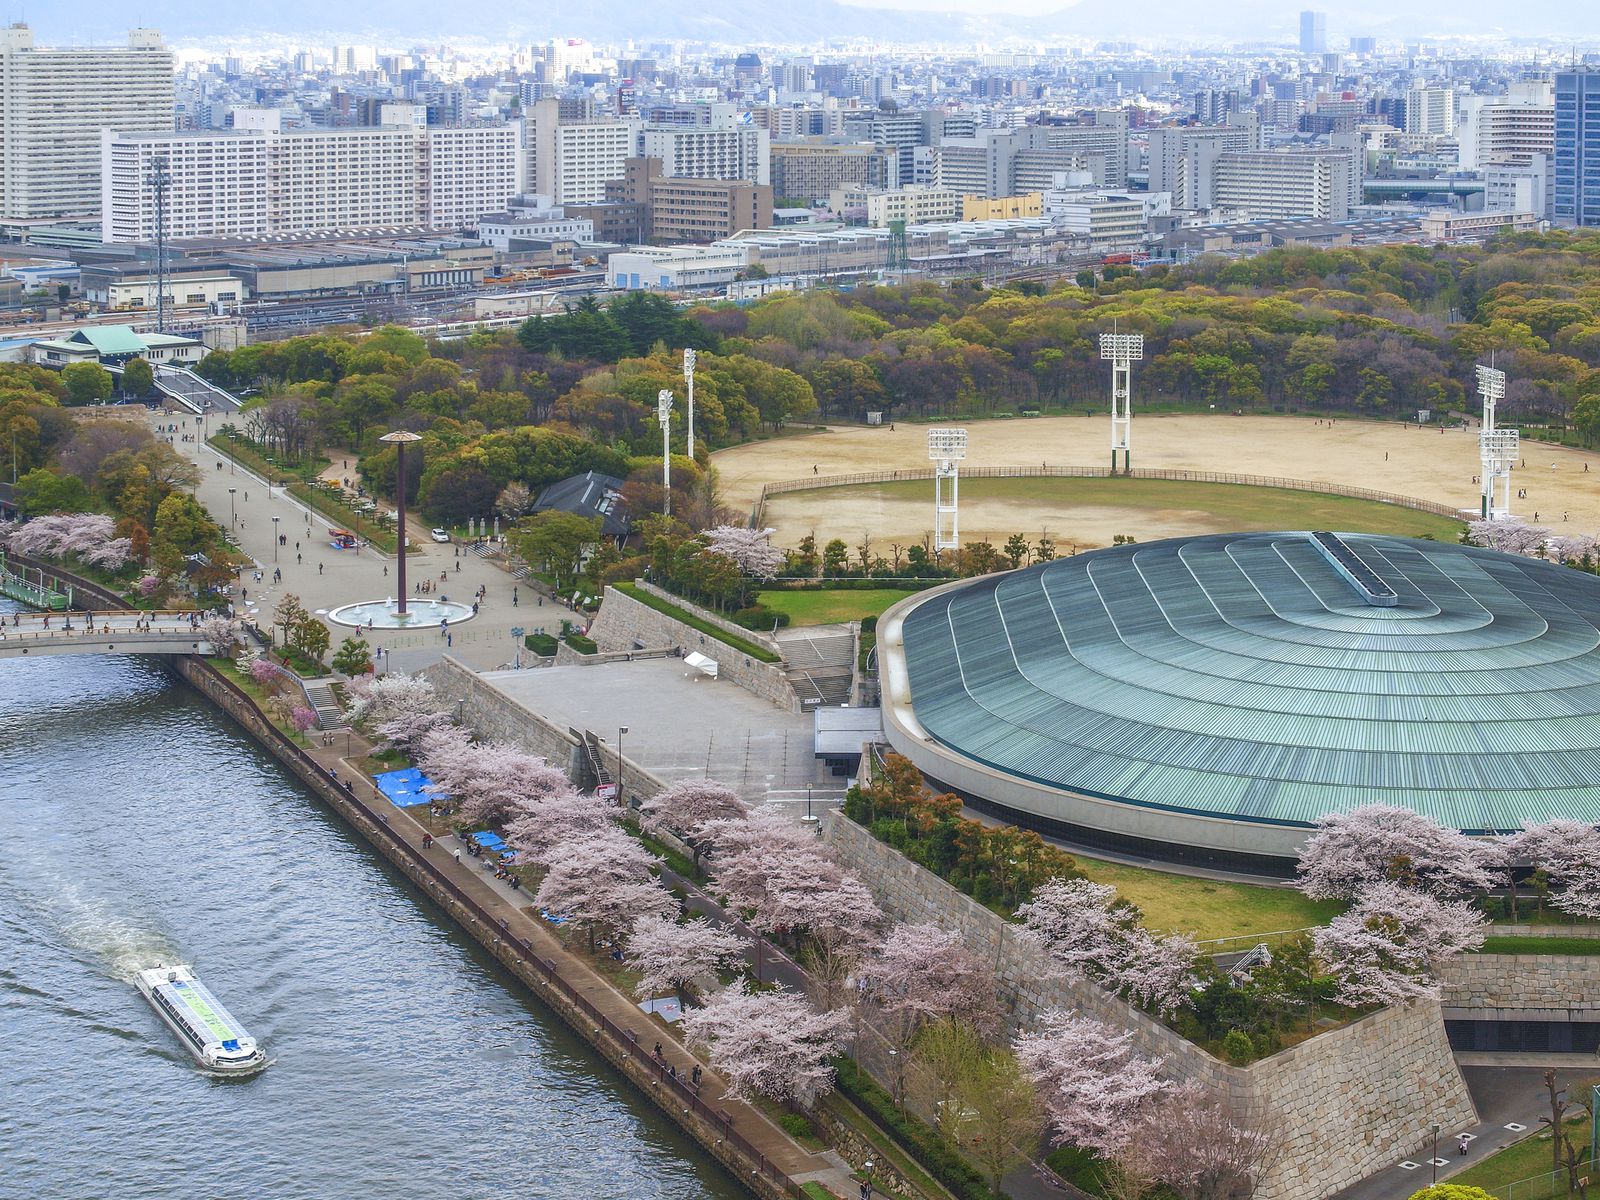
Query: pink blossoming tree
[
  {"x": 1092, "y": 1083},
  {"x": 602, "y": 880},
  {"x": 771, "y": 1044},
  {"x": 1352, "y": 851},
  {"x": 671, "y": 955},
  {"x": 1568, "y": 852},
  {"x": 748, "y": 549},
  {"x": 689, "y": 808},
  {"x": 1388, "y": 947}
]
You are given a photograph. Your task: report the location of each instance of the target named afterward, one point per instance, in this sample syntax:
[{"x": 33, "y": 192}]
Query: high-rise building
[
  {"x": 1274, "y": 184},
  {"x": 572, "y": 160},
  {"x": 904, "y": 130},
  {"x": 811, "y": 169},
  {"x": 1313, "y": 32},
  {"x": 1431, "y": 110},
  {"x": 1183, "y": 160},
  {"x": 266, "y": 182},
  {"x": 1506, "y": 130},
  {"x": 726, "y": 148},
  {"x": 1577, "y": 146},
  {"x": 53, "y": 104}
]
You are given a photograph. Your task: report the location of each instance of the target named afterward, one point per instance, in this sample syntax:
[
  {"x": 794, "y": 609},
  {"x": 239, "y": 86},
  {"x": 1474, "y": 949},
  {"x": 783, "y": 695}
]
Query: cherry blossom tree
[
  {"x": 670, "y": 954},
  {"x": 922, "y": 973},
  {"x": 690, "y": 806},
  {"x": 1388, "y": 947},
  {"x": 748, "y": 549},
  {"x": 543, "y": 823},
  {"x": 1085, "y": 932},
  {"x": 407, "y": 702},
  {"x": 1092, "y": 1083},
  {"x": 220, "y": 633},
  {"x": 1509, "y": 537},
  {"x": 747, "y": 850},
  {"x": 1568, "y": 852},
  {"x": 1572, "y": 547},
  {"x": 490, "y": 782},
  {"x": 1352, "y": 851},
  {"x": 771, "y": 1044},
  {"x": 302, "y": 718},
  {"x": 602, "y": 880},
  {"x": 1186, "y": 1141},
  {"x": 64, "y": 535}
]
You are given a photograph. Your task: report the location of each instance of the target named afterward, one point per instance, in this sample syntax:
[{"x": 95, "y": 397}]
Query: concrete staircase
[
  {"x": 320, "y": 694},
  {"x": 819, "y": 662}
]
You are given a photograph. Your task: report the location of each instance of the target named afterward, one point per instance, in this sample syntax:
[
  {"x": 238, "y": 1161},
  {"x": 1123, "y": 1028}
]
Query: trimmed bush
[
  {"x": 760, "y": 617},
  {"x": 795, "y": 1125}
]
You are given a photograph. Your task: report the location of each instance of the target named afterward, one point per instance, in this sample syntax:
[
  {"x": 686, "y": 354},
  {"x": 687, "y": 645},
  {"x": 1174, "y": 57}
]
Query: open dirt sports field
[{"x": 1405, "y": 460}]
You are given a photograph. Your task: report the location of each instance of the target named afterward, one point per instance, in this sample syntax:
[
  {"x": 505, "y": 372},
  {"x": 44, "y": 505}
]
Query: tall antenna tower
[
  {"x": 1498, "y": 449},
  {"x": 946, "y": 448},
  {"x": 159, "y": 180},
  {"x": 898, "y": 258},
  {"x": 688, "y": 378},
  {"x": 1122, "y": 350}
]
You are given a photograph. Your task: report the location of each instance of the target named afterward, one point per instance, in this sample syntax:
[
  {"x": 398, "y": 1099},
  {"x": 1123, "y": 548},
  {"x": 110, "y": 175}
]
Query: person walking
[
  {"x": 458, "y": 856},
  {"x": 513, "y": 597},
  {"x": 319, "y": 568}
]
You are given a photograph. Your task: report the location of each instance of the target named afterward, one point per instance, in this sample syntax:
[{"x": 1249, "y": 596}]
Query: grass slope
[{"x": 829, "y": 607}]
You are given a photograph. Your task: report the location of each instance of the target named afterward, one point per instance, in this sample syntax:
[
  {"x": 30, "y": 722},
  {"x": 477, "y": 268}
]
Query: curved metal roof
[{"x": 1243, "y": 676}]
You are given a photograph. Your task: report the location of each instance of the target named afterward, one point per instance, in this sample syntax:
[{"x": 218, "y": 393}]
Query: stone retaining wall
[
  {"x": 624, "y": 623},
  {"x": 1340, "y": 1105},
  {"x": 1522, "y": 987}
]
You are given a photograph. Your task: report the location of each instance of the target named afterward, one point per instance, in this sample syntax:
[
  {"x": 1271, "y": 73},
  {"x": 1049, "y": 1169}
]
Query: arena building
[{"x": 1205, "y": 699}]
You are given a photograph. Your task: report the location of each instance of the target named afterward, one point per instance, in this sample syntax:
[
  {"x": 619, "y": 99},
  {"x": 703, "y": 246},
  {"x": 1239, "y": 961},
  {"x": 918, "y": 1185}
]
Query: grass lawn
[
  {"x": 1205, "y": 908},
  {"x": 1521, "y": 1160},
  {"x": 831, "y": 606},
  {"x": 650, "y": 600},
  {"x": 1540, "y": 945},
  {"x": 1230, "y": 505}
]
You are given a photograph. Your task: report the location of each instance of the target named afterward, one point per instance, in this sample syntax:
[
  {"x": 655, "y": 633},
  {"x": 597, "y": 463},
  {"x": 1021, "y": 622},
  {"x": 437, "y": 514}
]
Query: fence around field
[
  {"x": 1552, "y": 1185},
  {"x": 918, "y": 474}
]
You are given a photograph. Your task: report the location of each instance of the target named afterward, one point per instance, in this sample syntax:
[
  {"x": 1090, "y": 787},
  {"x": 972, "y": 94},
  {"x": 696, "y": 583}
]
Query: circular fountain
[{"x": 385, "y": 614}]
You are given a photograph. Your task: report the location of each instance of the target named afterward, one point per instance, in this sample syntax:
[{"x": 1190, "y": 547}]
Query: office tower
[
  {"x": 1363, "y": 45},
  {"x": 1577, "y": 147},
  {"x": 904, "y": 131},
  {"x": 1507, "y": 130},
  {"x": 53, "y": 104},
  {"x": 1313, "y": 32},
  {"x": 1431, "y": 110}
]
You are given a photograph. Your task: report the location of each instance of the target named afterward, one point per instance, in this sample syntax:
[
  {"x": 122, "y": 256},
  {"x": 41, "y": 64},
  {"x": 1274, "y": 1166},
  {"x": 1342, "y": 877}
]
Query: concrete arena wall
[
  {"x": 1339, "y": 1106},
  {"x": 1250, "y": 844},
  {"x": 1522, "y": 987}
]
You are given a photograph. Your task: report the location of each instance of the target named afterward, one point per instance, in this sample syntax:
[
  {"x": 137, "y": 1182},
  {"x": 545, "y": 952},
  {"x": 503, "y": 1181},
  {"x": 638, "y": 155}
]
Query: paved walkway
[
  {"x": 513, "y": 908},
  {"x": 325, "y": 577},
  {"x": 1510, "y": 1100}
]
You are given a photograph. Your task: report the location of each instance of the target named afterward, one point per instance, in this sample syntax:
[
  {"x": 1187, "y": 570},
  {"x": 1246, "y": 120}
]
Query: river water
[{"x": 140, "y": 825}]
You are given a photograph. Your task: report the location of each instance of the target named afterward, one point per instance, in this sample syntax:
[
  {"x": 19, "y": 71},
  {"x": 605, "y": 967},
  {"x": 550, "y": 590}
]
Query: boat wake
[{"x": 94, "y": 928}]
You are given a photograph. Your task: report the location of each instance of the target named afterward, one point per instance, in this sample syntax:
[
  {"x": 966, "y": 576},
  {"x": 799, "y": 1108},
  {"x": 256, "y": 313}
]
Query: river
[{"x": 141, "y": 825}]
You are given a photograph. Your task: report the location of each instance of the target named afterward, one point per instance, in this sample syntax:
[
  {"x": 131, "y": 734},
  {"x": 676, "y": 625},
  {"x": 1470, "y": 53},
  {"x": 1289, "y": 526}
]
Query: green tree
[
  {"x": 310, "y": 636},
  {"x": 557, "y": 540},
  {"x": 353, "y": 657},
  {"x": 1452, "y": 1191},
  {"x": 1586, "y": 417},
  {"x": 86, "y": 383},
  {"x": 43, "y": 491},
  {"x": 1000, "y": 1120},
  {"x": 138, "y": 378},
  {"x": 182, "y": 528},
  {"x": 1016, "y": 550},
  {"x": 834, "y": 557},
  {"x": 289, "y": 614}
]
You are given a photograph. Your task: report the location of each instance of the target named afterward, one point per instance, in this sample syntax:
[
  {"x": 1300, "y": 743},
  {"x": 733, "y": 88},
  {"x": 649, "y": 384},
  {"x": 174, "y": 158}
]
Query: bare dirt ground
[{"x": 1406, "y": 460}]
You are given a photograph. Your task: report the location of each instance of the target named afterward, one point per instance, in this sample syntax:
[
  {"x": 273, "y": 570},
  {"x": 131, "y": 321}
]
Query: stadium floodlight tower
[
  {"x": 1498, "y": 448},
  {"x": 946, "y": 448},
  {"x": 1122, "y": 350},
  {"x": 664, "y": 415}
]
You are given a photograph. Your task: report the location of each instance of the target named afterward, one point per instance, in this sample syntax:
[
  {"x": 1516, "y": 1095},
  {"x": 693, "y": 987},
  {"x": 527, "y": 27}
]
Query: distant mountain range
[{"x": 765, "y": 22}]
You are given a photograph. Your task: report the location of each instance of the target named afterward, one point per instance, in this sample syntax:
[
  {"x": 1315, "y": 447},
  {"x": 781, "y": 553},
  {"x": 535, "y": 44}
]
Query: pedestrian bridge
[{"x": 35, "y": 635}]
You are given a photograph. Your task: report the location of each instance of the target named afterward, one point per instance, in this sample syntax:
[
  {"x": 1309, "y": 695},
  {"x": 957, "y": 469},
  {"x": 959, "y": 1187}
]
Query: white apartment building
[
  {"x": 1506, "y": 130},
  {"x": 911, "y": 204},
  {"x": 726, "y": 149},
  {"x": 1183, "y": 160},
  {"x": 571, "y": 162},
  {"x": 1475, "y": 226},
  {"x": 1431, "y": 110},
  {"x": 1520, "y": 189},
  {"x": 1106, "y": 220},
  {"x": 257, "y": 183},
  {"x": 1267, "y": 185},
  {"x": 532, "y": 217},
  {"x": 53, "y": 105}
]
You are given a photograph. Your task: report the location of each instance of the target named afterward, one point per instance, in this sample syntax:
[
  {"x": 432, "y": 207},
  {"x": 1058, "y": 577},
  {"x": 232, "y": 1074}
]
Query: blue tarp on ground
[
  {"x": 405, "y": 789},
  {"x": 489, "y": 841}
]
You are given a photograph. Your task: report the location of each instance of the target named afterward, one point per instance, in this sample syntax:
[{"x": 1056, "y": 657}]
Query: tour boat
[{"x": 209, "y": 1032}]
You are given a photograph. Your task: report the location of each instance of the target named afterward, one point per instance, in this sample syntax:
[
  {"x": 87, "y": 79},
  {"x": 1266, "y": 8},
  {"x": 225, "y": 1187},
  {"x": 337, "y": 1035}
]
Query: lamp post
[
  {"x": 664, "y": 415},
  {"x": 232, "y": 523},
  {"x": 688, "y": 379},
  {"x": 399, "y": 439},
  {"x": 1434, "y": 1161},
  {"x": 274, "y": 539},
  {"x": 621, "y": 729}
]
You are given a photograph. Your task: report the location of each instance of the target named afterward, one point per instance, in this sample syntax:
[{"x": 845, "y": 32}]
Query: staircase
[
  {"x": 589, "y": 746},
  {"x": 819, "y": 663},
  {"x": 320, "y": 695}
]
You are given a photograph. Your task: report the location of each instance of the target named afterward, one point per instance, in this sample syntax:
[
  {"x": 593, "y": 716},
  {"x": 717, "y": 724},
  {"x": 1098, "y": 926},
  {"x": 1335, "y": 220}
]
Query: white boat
[{"x": 207, "y": 1030}]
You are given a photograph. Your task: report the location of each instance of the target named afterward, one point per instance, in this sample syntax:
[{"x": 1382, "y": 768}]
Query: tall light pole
[
  {"x": 947, "y": 448},
  {"x": 399, "y": 439},
  {"x": 621, "y": 729},
  {"x": 232, "y": 523},
  {"x": 274, "y": 539},
  {"x": 1498, "y": 449},
  {"x": 664, "y": 415},
  {"x": 688, "y": 379},
  {"x": 1122, "y": 350}
]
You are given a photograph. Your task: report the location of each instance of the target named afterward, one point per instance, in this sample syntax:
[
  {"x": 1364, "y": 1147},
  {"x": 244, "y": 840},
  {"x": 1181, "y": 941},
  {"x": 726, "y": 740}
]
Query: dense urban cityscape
[{"x": 567, "y": 566}]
